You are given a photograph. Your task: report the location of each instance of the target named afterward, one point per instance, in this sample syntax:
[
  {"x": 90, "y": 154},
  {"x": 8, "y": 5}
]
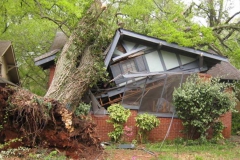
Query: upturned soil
[{"x": 46, "y": 123}]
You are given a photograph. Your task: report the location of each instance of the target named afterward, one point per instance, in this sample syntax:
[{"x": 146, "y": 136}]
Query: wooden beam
[
  {"x": 10, "y": 67},
  {"x": 128, "y": 53}
]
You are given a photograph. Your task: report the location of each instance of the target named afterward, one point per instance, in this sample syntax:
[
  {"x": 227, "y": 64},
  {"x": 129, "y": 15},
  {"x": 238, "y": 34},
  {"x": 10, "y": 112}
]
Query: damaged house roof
[
  {"x": 132, "y": 36},
  {"x": 222, "y": 68},
  {"x": 144, "y": 71}
]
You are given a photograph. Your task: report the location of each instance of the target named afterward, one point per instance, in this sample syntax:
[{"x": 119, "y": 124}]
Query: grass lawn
[
  {"x": 224, "y": 150},
  {"x": 170, "y": 150}
]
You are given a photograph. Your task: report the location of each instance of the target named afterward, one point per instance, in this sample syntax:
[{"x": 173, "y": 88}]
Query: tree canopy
[{"x": 31, "y": 26}]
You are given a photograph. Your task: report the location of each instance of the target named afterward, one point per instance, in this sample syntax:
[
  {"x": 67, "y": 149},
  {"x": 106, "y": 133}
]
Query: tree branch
[
  {"x": 232, "y": 17},
  {"x": 188, "y": 11},
  {"x": 5, "y": 19},
  {"x": 215, "y": 49},
  {"x": 220, "y": 13},
  {"x": 160, "y": 7},
  {"x": 59, "y": 23},
  {"x": 222, "y": 42},
  {"x": 226, "y": 26},
  {"x": 228, "y": 35}
]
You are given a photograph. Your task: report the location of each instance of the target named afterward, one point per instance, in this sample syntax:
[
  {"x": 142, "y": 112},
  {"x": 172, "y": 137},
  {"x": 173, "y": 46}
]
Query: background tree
[
  {"x": 29, "y": 41},
  {"x": 225, "y": 26}
]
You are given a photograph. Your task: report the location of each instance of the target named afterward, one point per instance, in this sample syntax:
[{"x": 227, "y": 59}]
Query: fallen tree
[
  {"x": 80, "y": 64},
  {"x": 29, "y": 120}
]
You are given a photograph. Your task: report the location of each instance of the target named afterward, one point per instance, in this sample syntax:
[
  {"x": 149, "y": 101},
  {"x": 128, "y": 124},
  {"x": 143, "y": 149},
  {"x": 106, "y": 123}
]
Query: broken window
[{"x": 132, "y": 65}]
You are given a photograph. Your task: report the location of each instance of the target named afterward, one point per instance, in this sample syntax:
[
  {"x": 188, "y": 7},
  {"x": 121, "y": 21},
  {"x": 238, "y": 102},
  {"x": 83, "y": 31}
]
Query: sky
[{"x": 235, "y": 8}]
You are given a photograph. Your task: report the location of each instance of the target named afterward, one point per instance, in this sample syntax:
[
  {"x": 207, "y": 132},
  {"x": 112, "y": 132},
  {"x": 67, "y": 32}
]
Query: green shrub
[
  {"x": 235, "y": 123},
  {"x": 145, "y": 122},
  {"x": 200, "y": 102},
  {"x": 82, "y": 109},
  {"x": 118, "y": 116},
  {"x": 217, "y": 130}
]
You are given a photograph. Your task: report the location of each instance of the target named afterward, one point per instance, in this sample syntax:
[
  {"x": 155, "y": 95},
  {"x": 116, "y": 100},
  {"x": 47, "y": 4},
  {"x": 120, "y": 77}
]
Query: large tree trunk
[
  {"x": 77, "y": 65},
  {"x": 70, "y": 82}
]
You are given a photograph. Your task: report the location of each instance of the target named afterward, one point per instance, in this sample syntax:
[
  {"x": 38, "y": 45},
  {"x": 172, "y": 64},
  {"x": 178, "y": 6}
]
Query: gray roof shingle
[{"x": 224, "y": 70}]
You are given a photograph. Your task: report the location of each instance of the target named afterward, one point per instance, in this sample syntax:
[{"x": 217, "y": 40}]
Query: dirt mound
[{"x": 35, "y": 121}]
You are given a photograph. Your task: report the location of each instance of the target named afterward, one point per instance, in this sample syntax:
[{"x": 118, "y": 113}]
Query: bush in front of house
[
  {"x": 200, "y": 102},
  {"x": 146, "y": 122},
  {"x": 118, "y": 116}
]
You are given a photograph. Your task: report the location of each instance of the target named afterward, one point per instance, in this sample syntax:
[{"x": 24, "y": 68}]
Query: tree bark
[{"x": 75, "y": 67}]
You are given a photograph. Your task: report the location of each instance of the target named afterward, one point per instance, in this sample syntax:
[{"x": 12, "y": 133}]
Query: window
[
  {"x": 135, "y": 64},
  {"x": 154, "y": 62}
]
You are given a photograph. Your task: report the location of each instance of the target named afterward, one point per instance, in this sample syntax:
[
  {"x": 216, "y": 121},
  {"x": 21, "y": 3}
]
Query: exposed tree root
[{"x": 44, "y": 122}]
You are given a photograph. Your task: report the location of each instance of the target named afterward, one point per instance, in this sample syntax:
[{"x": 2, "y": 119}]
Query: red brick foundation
[{"x": 157, "y": 134}]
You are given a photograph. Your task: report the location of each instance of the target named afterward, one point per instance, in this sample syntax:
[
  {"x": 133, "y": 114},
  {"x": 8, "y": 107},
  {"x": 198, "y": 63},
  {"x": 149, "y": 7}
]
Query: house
[
  {"x": 143, "y": 73},
  {"x": 8, "y": 65},
  {"x": 145, "y": 70}
]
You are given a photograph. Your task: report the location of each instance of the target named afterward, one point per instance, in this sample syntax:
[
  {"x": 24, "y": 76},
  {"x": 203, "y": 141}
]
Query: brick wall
[
  {"x": 157, "y": 134},
  {"x": 226, "y": 119}
]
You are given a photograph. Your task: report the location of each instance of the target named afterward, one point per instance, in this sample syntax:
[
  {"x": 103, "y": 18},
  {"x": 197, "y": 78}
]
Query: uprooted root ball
[{"x": 44, "y": 122}]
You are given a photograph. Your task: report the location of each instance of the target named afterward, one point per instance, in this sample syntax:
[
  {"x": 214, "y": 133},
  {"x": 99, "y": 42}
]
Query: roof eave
[
  {"x": 122, "y": 32},
  {"x": 172, "y": 45}
]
